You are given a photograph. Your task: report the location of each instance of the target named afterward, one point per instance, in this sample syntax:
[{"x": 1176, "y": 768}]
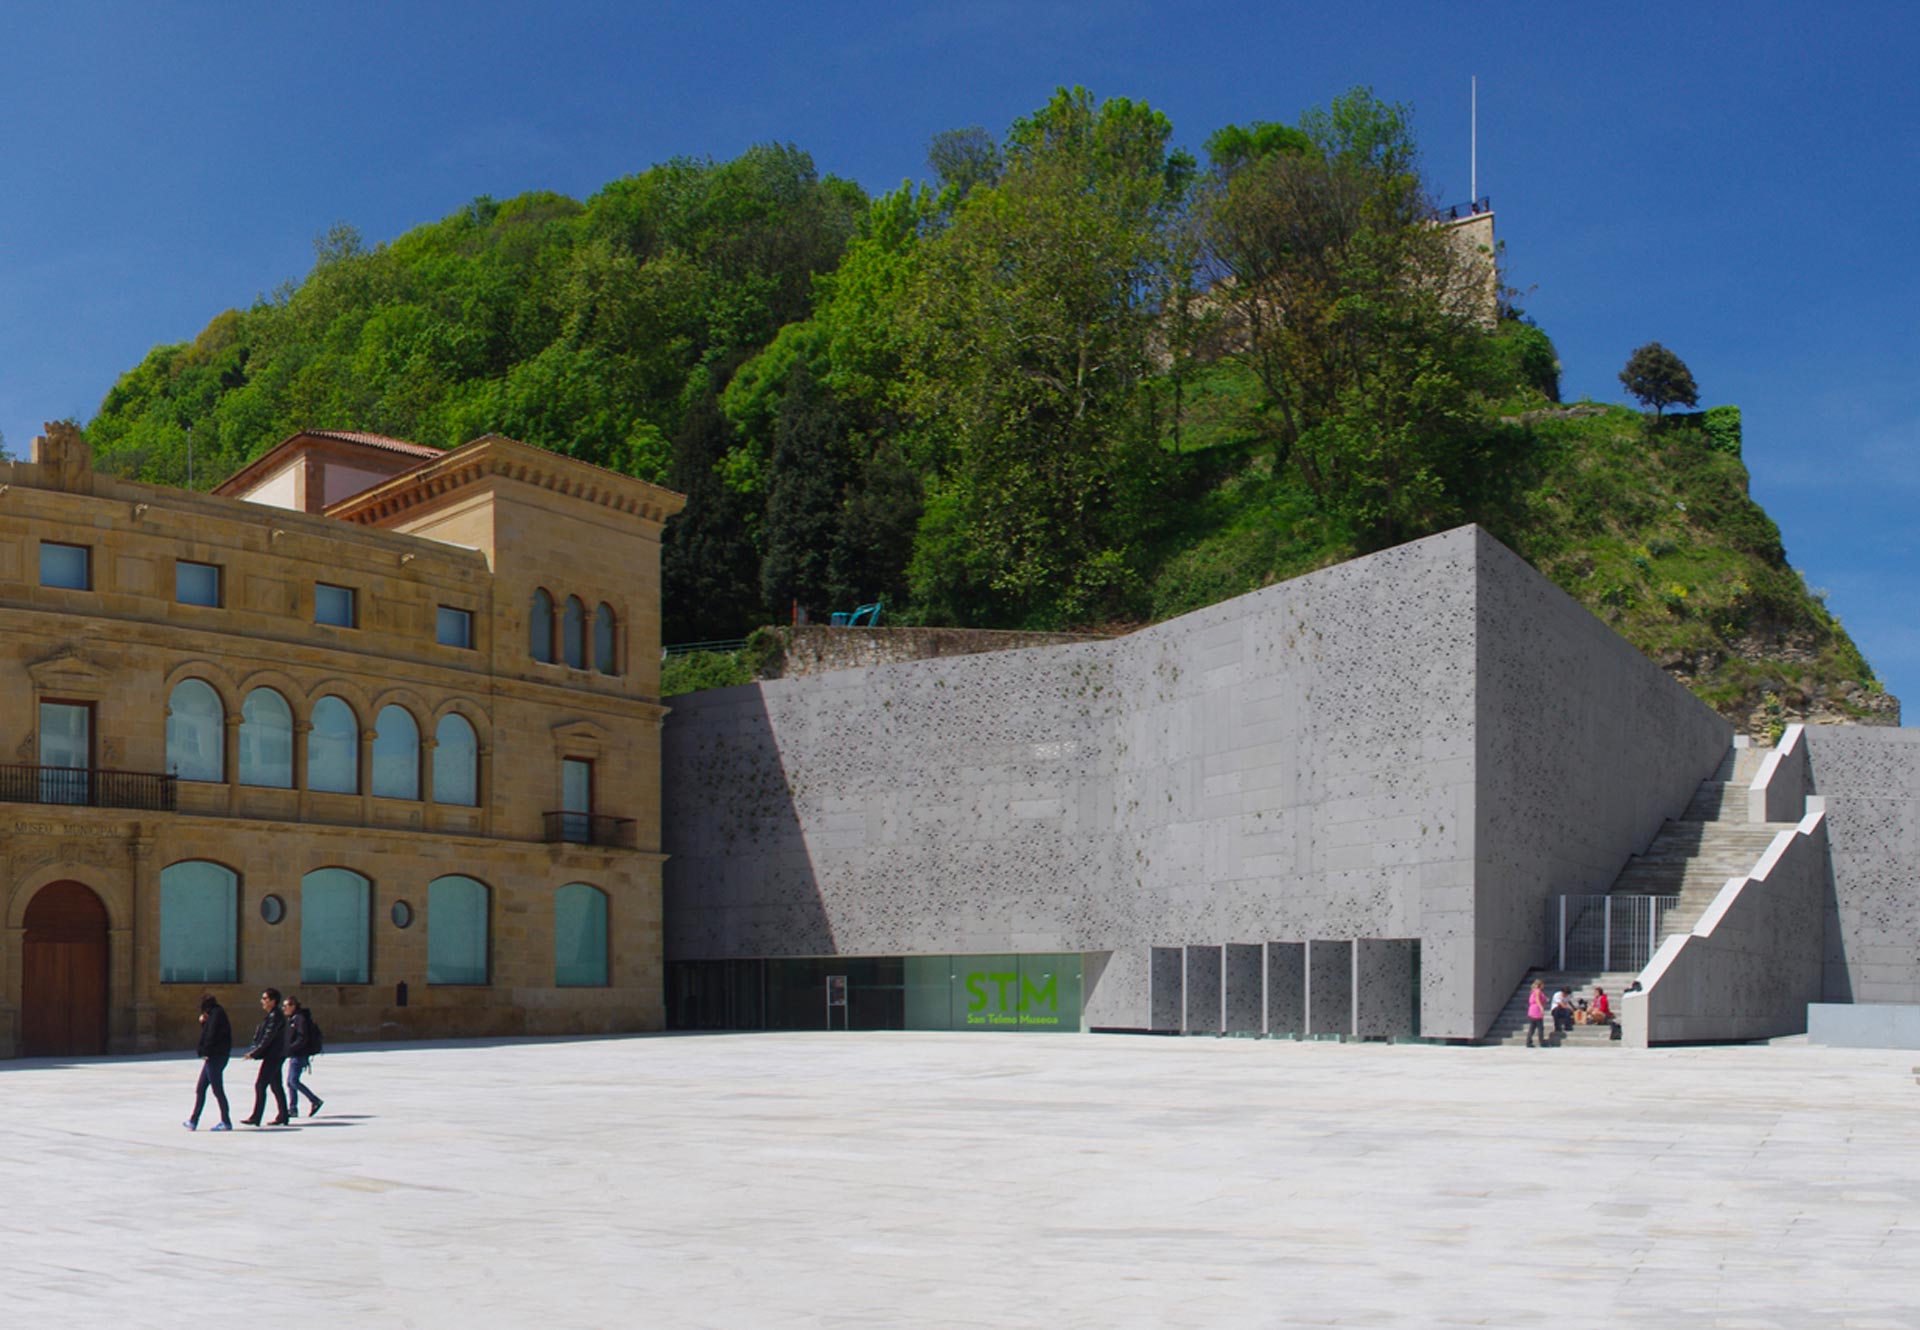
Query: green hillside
[{"x": 1080, "y": 379}]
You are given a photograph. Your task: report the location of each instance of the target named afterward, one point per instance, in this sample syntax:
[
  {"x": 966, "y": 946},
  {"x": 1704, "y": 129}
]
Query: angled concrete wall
[
  {"x": 1342, "y": 756},
  {"x": 1290, "y": 764},
  {"x": 1869, "y": 778},
  {"x": 1752, "y": 964},
  {"x": 1584, "y": 748}
]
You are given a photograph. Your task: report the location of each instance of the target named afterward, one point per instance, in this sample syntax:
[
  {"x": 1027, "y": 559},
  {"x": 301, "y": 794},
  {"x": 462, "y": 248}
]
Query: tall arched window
[
  {"x": 333, "y": 748},
  {"x": 199, "y": 924},
  {"x": 335, "y": 908},
  {"x": 540, "y": 626},
  {"x": 196, "y": 732},
  {"x": 456, "y": 931},
  {"x": 456, "y": 762},
  {"x": 396, "y": 754},
  {"x": 573, "y": 632},
  {"x": 579, "y": 937},
  {"x": 266, "y": 740},
  {"x": 605, "y": 645}
]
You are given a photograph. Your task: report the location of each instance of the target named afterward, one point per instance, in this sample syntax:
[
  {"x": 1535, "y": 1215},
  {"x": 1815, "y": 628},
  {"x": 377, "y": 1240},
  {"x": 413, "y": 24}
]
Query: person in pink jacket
[{"x": 1536, "y": 1013}]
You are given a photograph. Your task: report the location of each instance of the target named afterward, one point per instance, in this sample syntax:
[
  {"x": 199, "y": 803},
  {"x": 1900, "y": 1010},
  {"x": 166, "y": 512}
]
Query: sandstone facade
[{"x": 443, "y": 564}]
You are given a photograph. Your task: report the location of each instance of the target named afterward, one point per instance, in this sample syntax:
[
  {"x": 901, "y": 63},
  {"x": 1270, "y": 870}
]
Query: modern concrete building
[
  {"x": 372, "y": 722},
  {"x": 1355, "y": 803}
]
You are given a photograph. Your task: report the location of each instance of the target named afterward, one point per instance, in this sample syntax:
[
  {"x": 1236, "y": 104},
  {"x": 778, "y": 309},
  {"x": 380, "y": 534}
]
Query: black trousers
[
  {"x": 211, "y": 1072},
  {"x": 269, "y": 1079}
]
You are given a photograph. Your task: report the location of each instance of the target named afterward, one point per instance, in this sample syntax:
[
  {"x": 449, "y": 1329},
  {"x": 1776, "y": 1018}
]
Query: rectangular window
[
  {"x": 576, "y": 800},
  {"x": 66, "y": 753},
  {"x": 455, "y": 627},
  {"x": 333, "y": 605},
  {"x": 196, "y": 583},
  {"x": 69, "y": 566}
]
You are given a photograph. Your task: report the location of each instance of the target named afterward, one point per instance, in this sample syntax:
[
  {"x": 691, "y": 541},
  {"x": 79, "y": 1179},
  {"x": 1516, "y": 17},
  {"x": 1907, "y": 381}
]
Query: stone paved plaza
[{"x": 975, "y": 1181}]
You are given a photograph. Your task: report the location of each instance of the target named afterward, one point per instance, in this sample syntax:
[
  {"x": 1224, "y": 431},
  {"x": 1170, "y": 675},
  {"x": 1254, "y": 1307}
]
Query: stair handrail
[{"x": 1780, "y": 789}]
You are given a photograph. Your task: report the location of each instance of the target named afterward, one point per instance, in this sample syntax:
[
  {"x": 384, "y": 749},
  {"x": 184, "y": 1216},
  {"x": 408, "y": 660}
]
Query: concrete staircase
[
  {"x": 1692, "y": 857},
  {"x": 1510, "y": 1026},
  {"x": 1694, "y": 854}
]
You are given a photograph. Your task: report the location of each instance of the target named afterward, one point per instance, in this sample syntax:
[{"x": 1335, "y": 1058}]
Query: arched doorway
[{"x": 63, "y": 973}]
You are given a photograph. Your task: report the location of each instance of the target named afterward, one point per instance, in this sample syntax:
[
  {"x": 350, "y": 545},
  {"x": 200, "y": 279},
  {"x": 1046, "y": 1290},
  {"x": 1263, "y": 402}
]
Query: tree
[
  {"x": 1356, "y": 313},
  {"x": 1659, "y": 379},
  {"x": 708, "y": 584},
  {"x": 1032, "y": 331},
  {"x": 806, "y": 480}
]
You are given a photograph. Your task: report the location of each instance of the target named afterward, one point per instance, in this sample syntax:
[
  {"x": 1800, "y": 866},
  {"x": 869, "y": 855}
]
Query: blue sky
[{"x": 1738, "y": 181}]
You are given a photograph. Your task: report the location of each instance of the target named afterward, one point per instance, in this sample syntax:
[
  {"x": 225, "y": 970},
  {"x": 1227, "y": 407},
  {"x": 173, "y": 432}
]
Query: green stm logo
[{"x": 1002, "y": 997}]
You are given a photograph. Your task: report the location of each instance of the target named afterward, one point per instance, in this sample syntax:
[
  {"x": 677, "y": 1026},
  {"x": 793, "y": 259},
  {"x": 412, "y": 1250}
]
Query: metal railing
[
  {"x": 1453, "y": 212},
  {"x": 89, "y": 787},
  {"x": 692, "y": 648},
  {"x": 1608, "y": 933},
  {"x": 589, "y": 829}
]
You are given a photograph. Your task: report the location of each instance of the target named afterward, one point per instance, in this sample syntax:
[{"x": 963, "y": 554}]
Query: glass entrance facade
[{"x": 1032, "y": 993}]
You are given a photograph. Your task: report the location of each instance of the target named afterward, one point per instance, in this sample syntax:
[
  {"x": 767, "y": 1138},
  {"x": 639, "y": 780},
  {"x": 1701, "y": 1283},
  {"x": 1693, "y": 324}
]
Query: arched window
[
  {"x": 573, "y": 632},
  {"x": 266, "y": 740},
  {"x": 579, "y": 937},
  {"x": 334, "y": 911},
  {"x": 456, "y": 762},
  {"x": 396, "y": 754},
  {"x": 199, "y": 924},
  {"x": 605, "y": 645},
  {"x": 333, "y": 748},
  {"x": 196, "y": 732},
  {"x": 456, "y": 931},
  {"x": 540, "y": 626}
]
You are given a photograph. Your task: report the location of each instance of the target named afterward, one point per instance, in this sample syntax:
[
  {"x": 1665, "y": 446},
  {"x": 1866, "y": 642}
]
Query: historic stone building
[{"x": 372, "y": 722}]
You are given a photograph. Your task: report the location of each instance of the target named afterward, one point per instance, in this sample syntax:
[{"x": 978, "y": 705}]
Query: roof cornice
[{"x": 496, "y": 457}]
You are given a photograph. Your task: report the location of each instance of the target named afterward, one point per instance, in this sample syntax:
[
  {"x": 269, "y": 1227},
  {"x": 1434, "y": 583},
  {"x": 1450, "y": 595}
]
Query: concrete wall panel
[
  {"x": 1383, "y": 987},
  {"x": 1286, "y": 988},
  {"x": 1167, "y": 978},
  {"x": 1330, "y": 987},
  {"x": 1202, "y": 1015},
  {"x": 1869, "y": 778},
  {"x": 1243, "y": 967}
]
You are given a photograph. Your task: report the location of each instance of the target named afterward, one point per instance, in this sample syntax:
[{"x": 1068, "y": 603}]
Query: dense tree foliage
[{"x": 1073, "y": 378}]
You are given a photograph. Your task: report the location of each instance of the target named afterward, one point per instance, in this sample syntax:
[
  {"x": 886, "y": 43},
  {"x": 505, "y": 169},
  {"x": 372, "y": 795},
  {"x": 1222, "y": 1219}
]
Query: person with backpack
[
  {"x": 215, "y": 1047},
  {"x": 304, "y": 1041}
]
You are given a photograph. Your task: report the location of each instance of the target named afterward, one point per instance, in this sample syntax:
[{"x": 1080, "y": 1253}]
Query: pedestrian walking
[
  {"x": 1537, "y": 1013},
  {"x": 302, "y": 1043},
  {"x": 214, "y": 1048},
  {"x": 269, "y": 1050}
]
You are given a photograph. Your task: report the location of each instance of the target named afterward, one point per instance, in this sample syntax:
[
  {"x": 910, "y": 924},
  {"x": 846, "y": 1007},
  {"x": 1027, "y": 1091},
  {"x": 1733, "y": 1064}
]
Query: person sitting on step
[{"x": 1601, "y": 1012}]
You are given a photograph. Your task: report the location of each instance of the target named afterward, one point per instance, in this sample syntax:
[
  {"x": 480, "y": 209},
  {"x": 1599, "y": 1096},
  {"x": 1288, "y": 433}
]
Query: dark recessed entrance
[{"x": 63, "y": 973}]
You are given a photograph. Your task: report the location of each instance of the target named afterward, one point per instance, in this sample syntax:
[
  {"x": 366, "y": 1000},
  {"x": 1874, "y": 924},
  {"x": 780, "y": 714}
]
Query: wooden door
[{"x": 63, "y": 973}]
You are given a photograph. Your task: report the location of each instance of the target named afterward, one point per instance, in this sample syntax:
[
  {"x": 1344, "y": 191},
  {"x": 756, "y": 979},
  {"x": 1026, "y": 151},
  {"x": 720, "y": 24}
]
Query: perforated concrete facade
[
  {"x": 1870, "y": 779},
  {"x": 1355, "y": 754}
]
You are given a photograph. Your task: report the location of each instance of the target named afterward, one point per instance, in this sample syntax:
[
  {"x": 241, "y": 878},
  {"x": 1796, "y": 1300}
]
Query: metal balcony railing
[
  {"x": 89, "y": 787},
  {"x": 589, "y": 829}
]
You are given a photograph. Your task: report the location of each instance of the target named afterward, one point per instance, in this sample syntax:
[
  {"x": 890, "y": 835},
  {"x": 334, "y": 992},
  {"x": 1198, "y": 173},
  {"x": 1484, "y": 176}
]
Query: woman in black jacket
[{"x": 216, "y": 1046}]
